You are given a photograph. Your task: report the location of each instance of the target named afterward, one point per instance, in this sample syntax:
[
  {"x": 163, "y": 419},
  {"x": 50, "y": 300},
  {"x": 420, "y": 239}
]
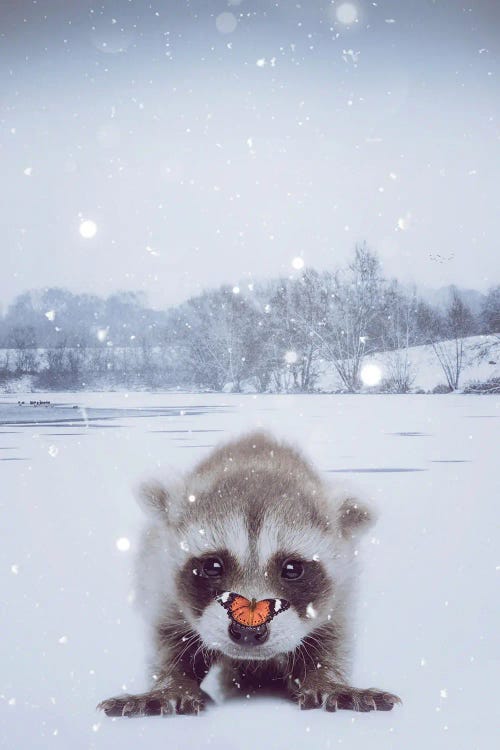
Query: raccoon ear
[
  {"x": 355, "y": 518},
  {"x": 153, "y": 497}
]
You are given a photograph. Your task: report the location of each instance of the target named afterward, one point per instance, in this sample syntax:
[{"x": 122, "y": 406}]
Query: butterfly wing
[
  {"x": 261, "y": 613},
  {"x": 233, "y": 603},
  {"x": 273, "y": 607},
  {"x": 241, "y": 611}
]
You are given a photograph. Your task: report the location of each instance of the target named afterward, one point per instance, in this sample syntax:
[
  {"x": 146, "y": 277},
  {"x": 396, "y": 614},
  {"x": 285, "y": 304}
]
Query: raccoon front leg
[
  {"x": 170, "y": 698},
  {"x": 333, "y": 696},
  {"x": 318, "y": 681},
  {"x": 176, "y": 688}
]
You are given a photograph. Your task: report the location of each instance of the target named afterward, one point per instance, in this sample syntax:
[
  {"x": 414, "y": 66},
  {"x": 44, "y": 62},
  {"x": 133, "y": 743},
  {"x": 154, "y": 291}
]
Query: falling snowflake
[
  {"x": 347, "y": 13},
  {"x": 310, "y": 611},
  {"x": 88, "y": 229},
  {"x": 371, "y": 374},
  {"x": 404, "y": 222},
  {"x": 349, "y": 56},
  {"x": 226, "y": 22}
]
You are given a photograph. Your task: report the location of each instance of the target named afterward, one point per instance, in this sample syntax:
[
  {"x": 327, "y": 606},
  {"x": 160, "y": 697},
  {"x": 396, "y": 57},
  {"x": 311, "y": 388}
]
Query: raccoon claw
[
  {"x": 338, "y": 697},
  {"x": 308, "y": 699},
  {"x": 157, "y": 703},
  {"x": 189, "y": 705}
]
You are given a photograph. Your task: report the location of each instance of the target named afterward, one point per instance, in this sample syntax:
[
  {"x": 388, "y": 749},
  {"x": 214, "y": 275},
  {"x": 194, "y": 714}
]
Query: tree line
[{"x": 271, "y": 336}]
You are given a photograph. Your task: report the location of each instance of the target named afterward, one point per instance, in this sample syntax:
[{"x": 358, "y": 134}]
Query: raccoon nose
[{"x": 248, "y": 636}]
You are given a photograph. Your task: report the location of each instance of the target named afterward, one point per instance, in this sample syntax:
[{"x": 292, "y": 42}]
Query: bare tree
[
  {"x": 298, "y": 310},
  {"x": 398, "y": 334},
  {"x": 457, "y": 323},
  {"x": 355, "y": 305},
  {"x": 217, "y": 327},
  {"x": 55, "y": 359},
  {"x": 22, "y": 339},
  {"x": 490, "y": 313}
]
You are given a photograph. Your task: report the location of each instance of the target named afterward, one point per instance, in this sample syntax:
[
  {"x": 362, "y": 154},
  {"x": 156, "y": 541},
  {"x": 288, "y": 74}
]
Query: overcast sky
[{"x": 212, "y": 141}]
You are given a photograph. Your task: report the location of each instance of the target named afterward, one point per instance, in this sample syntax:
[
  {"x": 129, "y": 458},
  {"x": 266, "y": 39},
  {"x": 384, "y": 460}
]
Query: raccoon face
[
  {"x": 253, "y": 520},
  {"x": 289, "y": 574}
]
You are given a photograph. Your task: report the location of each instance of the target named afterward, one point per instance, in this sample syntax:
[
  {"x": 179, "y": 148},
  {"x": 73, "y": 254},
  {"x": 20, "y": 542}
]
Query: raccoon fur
[{"x": 256, "y": 519}]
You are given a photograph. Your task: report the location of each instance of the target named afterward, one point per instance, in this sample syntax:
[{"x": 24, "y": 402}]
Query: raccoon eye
[
  {"x": 292, "y": 569},
  {"x": 212, "y": 567}
]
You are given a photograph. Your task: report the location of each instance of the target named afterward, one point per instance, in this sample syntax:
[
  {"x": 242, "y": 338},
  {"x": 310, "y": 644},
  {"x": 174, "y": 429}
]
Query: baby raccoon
[{"x": 249, "y": 563}]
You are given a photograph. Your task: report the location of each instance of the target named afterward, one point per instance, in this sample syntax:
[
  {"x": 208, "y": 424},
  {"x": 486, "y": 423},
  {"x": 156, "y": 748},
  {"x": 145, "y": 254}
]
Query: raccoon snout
[{"x": 248, "y": 636}]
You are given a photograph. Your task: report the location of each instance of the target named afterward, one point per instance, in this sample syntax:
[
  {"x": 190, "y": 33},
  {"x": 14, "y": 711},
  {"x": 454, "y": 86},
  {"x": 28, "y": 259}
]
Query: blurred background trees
[{"x": 274, "y": 335}]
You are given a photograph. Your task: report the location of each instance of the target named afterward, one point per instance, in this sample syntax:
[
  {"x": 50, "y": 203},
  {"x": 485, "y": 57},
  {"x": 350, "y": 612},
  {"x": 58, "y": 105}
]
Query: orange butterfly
[{"x": 249, "y": 612}]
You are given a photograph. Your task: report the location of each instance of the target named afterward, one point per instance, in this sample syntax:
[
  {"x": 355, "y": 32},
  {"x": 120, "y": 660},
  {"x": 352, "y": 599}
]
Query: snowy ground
[
  {"x": 427, "y": 616},
  {"x": 481, "y": 362}
]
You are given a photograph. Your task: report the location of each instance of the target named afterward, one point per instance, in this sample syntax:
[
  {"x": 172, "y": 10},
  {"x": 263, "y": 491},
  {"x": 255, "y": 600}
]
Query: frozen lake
[{"x": 427, "y": 620}]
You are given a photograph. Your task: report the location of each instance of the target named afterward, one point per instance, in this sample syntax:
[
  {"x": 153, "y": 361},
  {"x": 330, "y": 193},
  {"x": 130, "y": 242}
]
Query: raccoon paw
[
  {"x": 155, "y": 703},
  {"x": 371, "y": 699},
  {"x": 345, "y": 697}
]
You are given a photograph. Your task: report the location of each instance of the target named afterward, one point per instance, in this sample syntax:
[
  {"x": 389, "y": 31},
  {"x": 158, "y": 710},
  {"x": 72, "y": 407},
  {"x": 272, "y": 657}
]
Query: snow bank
[{"x": 481, "y": 362}]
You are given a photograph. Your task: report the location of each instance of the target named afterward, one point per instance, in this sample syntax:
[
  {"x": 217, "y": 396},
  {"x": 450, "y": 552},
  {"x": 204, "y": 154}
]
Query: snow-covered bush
[
  {"x": 442, "y": 388},
  {"x": 491, "y": 386}
]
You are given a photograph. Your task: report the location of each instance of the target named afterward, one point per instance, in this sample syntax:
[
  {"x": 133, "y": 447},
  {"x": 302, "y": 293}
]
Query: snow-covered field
[
  {"x": 481, "y": 361},
  {"x": 427, "y": 620}
]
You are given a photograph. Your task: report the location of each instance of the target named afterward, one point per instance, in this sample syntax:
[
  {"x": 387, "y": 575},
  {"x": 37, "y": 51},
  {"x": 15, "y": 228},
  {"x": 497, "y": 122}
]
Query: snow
[
  {"x": 123, "y": 544},
  {"x": 371, "y": 374},
  {"x": 347, "y": 13},
  {"x": 226, "y": 23},
  {"x": 311, "y": 612},
  {"x": 426, "y": 619},
  {"x": 88, "y": 229}
]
